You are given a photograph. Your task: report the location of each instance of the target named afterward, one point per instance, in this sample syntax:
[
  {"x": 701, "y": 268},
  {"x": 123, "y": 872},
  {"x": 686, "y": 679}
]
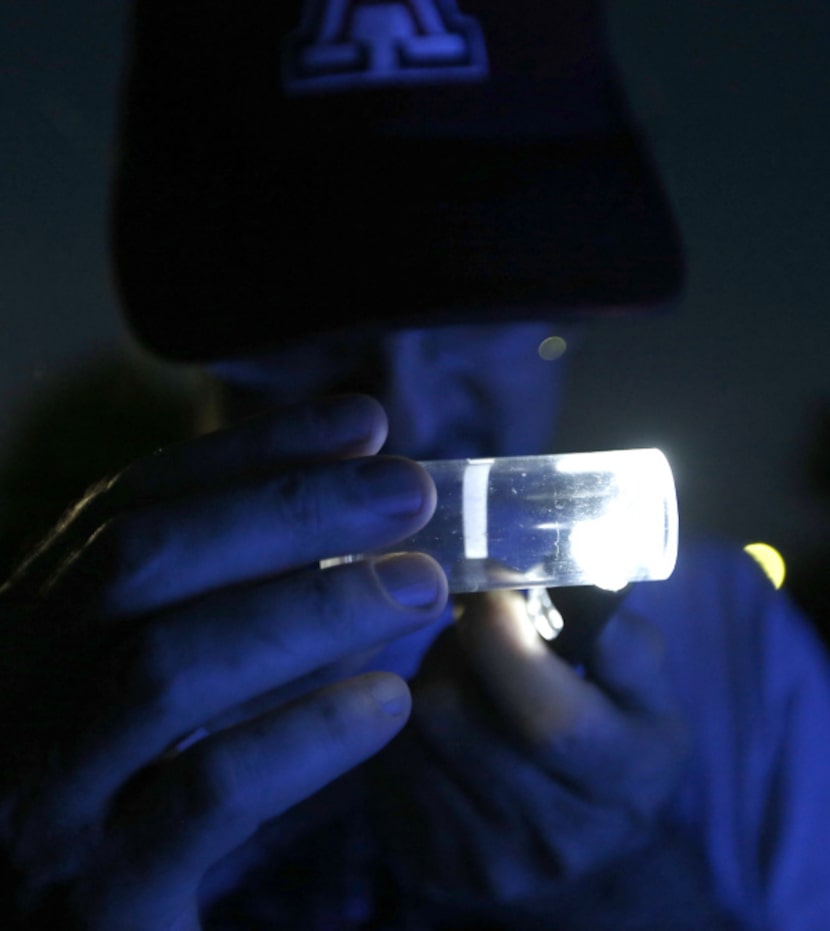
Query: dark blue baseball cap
[{"x": 289, "y": 168}]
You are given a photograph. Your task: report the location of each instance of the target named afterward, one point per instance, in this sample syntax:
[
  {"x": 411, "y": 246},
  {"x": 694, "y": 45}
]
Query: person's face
[{"x": 449, "y": 392}]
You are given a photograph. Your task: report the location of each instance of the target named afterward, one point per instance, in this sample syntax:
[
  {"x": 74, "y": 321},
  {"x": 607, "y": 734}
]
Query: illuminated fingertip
[{"x": 770, "y": 560}]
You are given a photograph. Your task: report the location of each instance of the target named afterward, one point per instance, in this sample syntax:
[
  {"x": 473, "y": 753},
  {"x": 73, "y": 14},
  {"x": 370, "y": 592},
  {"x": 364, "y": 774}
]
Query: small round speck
[{"x": 553, "y": 347}]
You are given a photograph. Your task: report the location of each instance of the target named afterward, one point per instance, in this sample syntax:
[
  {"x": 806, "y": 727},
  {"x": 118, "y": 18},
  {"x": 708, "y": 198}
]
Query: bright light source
[
  {"x": 770, "y": 560},
  {"x": 634, "y": 534},
  {"x": 554, "y": 347},
  {"x": 543, "y": 614}
]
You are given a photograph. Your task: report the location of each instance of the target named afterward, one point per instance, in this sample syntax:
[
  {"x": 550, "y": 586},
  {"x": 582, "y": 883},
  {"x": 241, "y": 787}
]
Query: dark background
[{"x": 734, "y": 385}]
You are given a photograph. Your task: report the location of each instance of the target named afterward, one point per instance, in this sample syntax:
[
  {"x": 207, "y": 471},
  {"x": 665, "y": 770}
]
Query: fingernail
[
  {"x": 392, "y": 694},
  {"x": 396, "y": 488},
  {"x": 413, "y": 580}
]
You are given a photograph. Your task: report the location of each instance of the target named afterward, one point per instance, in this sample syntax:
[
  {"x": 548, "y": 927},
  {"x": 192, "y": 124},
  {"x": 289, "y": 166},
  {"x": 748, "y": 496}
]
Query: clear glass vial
[{"x": 599, "y": 518}]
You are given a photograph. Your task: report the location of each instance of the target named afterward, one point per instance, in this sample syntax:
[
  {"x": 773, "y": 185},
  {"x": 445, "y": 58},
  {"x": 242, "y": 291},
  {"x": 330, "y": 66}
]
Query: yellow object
[
  {"x": 770, "y": 560},
  {"x": 554, "y": 347}
]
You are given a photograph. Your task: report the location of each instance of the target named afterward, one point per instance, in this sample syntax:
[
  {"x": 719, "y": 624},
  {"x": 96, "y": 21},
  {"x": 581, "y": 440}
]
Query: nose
[{"x": 418, "y": 396}]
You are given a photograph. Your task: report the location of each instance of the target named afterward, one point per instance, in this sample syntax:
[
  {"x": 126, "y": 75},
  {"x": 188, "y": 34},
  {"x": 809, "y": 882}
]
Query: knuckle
[
  {"x": 156, "y": 674},
  {"x": 297, "y": 500},
  {"x": 335, "y": 723},
  {"x": 334, "y": 613},
  {"x": 214, "y": 782}
]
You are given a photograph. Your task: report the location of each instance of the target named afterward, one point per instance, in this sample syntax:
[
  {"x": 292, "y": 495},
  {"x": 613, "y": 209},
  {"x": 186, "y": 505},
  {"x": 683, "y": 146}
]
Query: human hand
[
  {"x": 519, "y": 776},
  {"x": 186, "y": 594}
]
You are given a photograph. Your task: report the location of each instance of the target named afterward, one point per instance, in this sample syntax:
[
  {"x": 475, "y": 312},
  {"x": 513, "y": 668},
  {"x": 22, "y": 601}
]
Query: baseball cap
[{"x": 295, "y": 167}]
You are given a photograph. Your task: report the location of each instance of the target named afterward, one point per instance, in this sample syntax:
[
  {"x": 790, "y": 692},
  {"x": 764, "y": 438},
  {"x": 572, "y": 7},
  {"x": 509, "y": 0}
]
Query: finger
[
  {"x": 628, "y": 664},
  {"x": 439, "y": 831},
  {"x": 566, "y": 723},
  {"x": 342, "y": 427},
  {"x": 273, "y": 698},
  {"x": 169, "y": 553},
  {"x": 537, "y": 691},
  {"x": 188, "y": 667},
  {"x": 566, "y": 826},
  {"x": 198, "y": 807}
]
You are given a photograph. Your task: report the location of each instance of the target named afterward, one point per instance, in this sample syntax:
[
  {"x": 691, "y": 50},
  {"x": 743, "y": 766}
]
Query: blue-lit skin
[
  {"x": 186, "y": 594},
  {"x": 449, "y": 392},
  {"x": 175, "y": 598},
  {"x": 602, "y": 751}
]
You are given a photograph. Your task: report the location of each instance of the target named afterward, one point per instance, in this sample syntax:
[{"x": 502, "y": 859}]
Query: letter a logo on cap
[{"x": 343, "y": 45}]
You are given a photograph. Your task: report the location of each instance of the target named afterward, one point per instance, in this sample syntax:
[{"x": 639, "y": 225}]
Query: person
[{"x": 363, "y": 219}]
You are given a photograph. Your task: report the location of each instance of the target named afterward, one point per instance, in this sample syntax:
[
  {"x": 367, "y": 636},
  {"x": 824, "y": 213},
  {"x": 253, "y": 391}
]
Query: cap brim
[{"x": 230, "y": 261}]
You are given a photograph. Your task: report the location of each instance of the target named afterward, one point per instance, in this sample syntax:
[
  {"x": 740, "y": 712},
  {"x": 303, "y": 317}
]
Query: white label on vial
[{"x": 474, "y": 507}]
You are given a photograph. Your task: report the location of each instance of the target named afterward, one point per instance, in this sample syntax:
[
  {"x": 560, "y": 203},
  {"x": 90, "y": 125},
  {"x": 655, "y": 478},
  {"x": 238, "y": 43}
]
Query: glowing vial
[{"x": 600, "y": 518}]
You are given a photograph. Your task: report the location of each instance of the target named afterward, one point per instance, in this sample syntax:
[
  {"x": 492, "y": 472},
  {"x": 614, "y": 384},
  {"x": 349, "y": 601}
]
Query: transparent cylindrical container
[{"x": 599, "y": 518}]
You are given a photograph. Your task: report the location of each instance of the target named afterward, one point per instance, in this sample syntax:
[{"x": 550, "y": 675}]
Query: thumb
[{"x": 539, "y": 693}]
